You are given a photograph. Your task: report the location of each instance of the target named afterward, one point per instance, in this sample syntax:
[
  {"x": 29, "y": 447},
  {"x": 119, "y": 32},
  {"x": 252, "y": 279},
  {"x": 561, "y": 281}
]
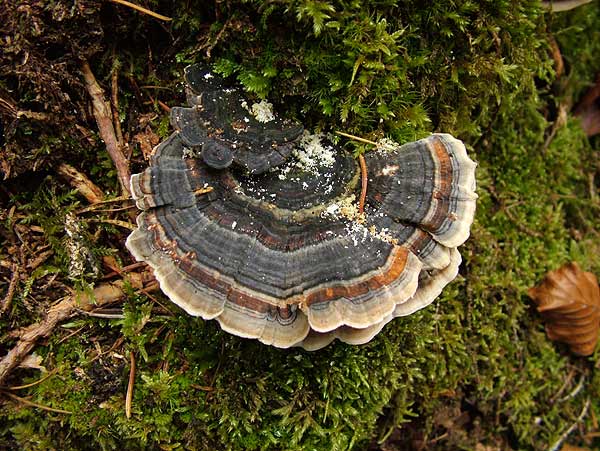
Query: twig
[
  {"x": 39, "y": 260},
  {"x": 114, "y": 98},
  {"x": 575, "y": 391},
  {"x": 124, "y": 270},
  {"x": 35, "y": 404},
  {"x": 105, "y": 293},
  {"x": 66, "y": 337},
  {"x": 146, "y": 291},
  {"x": 118, "y": 342},
  {"x": 142, "y": 10},
  {"x": 563, "y": 386},
  {"x": 164, "y": 106},
  {"x": 556, "y": 56},
  {"x": 212, "y": 45},
  {"x": 357, "y": 138},
  {"x": 9, "y": 107},
  {"x": 129, "y": 395},
  {"x": 156, "y": 87},
  {"x": 12, "y": 286},
  {"x": 99, "y": 204},
  {"x": 103, "y": 117},
  {"x": 438, "y": 438},
  {"x": 363, "y": 168},
  {"x": 363, "y": 178},
  {"x": 202, "y": 387},
  {"x": 38, "y": 116},
  {"x": 557, "y": 444},
  {"x": 113, "y": 210},
  {"x": 81, "y": 183},
  {"x": 102, "y": 315},
  {"x": 32, "y": 384},
  {"x": 125, "y": 225}
]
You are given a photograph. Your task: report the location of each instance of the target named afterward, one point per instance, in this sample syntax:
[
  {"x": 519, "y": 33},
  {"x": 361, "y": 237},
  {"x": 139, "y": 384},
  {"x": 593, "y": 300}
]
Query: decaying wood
[
  {"x": 569, "y": 300},
  {"x": 104, "y": 294},
  {"x": 81, "y": 183},
  {"x": 104, "y": 119}
]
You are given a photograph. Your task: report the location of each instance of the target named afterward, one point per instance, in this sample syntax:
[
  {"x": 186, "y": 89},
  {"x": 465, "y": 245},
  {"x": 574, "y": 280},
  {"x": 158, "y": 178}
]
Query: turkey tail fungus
[{"x": 250, "y": 221}]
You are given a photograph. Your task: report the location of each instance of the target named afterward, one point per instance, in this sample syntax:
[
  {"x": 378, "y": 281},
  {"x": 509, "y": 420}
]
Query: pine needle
[
  {"x": 35, "y": 404},
  {"x": 129, "y": 395},
  {"x": 142, "y": 10}
]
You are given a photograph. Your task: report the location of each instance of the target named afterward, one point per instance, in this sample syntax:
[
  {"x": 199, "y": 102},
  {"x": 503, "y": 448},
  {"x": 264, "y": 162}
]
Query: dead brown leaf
[
  {"x": 569, "y": 300},
  {"x": 574, "y": 448},
  {"x": 588, "y": 109}
]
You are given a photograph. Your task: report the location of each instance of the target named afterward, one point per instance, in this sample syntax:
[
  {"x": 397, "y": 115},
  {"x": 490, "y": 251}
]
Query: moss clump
[{"x": 473, "y": 369}]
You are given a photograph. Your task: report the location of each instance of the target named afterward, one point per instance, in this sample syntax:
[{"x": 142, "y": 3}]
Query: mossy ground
[{"x": 475, "y": 369}]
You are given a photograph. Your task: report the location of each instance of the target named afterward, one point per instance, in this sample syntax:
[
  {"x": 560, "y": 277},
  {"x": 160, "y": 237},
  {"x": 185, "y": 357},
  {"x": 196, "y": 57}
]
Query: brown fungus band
[{"x": 281, "y": 253}]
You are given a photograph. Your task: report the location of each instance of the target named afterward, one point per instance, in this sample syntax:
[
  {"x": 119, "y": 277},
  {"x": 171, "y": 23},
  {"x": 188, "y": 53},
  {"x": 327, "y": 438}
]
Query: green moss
[{"x": 482, "y": 71}]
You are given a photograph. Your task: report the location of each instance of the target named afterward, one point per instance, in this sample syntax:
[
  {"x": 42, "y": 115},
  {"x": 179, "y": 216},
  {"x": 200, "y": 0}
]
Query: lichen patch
[{"x": 262, "y": 111}]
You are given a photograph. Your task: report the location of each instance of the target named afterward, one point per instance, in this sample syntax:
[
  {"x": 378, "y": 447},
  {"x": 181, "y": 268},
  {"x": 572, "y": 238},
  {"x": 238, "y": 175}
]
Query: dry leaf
[
  {"x": 569, "y": 300},
  {"x": 573, "y": 448},
  {"x": 588, "y": 110}
]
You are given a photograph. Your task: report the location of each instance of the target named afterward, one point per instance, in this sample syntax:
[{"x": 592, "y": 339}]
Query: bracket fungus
[
  {"x": 224, "y": 128},
  {"x": 274, "y": 248}
]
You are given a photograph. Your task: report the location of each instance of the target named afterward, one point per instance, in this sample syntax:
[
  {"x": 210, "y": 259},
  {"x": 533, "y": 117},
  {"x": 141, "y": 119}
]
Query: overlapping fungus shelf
[
  {"x": 272, "y": 245},
  {"x": 227, "y": 129}
]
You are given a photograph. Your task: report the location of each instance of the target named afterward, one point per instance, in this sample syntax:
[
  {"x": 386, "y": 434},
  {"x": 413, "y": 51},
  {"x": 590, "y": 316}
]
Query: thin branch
[
  {"x": 35, "y": 404},
  {"x": 166, "y": 108},
  {"x": 357, "y": 138},
  {"x": 575, "y": 391},
  {"x": 99, "y": 204},
  {"x": 81, "y": 183},
  {"x": 212, "y": 45},
  {"x": 32, "y": 384},
  {"x": 202, "y": 387},
  {"x": 129, "y": 395},
  {"x": 114, "y": 98},
  {"x": 102, "y": 315},
  {"x": 142, "y": 10},
  {"x": 12, "y": 286},
  {"x": 557, "y": 444},
  {"x": 363, "y": 178},
  {"x": 117, "y": 222},
  {"x": 118, "y": 342},
  {"x": 106, "y": 129},
  {"x": 121, "y": 271},
  {"x": 363, "y": 168}
]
